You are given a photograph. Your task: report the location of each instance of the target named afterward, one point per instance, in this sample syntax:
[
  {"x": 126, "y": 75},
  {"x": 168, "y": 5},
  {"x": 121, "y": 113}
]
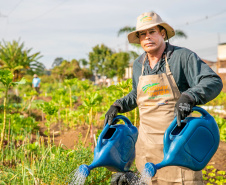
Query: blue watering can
[
  {"x": 191, "y": 145},
  {"x": 115, "y": 148}
]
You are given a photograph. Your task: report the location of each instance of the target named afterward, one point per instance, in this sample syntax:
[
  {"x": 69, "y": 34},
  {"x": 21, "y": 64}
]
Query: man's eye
[
  {"x": 151, "y": 32},
  {"x": 143, "y": 33}
]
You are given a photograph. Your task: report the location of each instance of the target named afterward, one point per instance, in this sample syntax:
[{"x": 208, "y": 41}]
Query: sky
[{"x": 71, "y": 28}]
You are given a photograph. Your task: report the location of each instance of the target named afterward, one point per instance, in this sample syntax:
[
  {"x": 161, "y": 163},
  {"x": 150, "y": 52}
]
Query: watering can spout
[
  {"x": 150, "y": 169},
  {"x": 84, "y": 170}
]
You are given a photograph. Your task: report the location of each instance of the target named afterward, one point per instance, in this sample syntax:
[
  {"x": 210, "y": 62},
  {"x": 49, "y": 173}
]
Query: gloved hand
[
  {"x": 183, "y": 107},
  {"x": 118, "y": 176},
  {"x": 127, "y": 178},
  {"x": 111, "y": 113}
]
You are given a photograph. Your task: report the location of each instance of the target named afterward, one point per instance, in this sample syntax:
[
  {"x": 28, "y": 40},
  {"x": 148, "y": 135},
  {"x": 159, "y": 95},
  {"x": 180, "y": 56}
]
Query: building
[
  {"x": 129, "y": 71},
  {"x": 211, "y": 64},
  {"x": 221, "y": 61}
]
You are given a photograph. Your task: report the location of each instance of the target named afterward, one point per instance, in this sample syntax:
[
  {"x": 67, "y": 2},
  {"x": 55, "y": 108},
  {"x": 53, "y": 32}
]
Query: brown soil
[
  {"x": 45, "y": 98},
  {"x": 219, "y": 158},
  {"x": 70, "y": 138}
]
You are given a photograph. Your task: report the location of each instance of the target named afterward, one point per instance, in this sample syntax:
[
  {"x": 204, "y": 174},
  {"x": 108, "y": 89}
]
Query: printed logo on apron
[{"x": 155, "y": 90}]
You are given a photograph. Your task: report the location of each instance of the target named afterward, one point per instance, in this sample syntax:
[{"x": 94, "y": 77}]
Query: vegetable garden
[
  {"x": 44, "y": 137},
  {"x": 30, "y": 127}
]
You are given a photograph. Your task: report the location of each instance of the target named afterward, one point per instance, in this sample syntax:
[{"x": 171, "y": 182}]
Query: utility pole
[{"x": 219, "y": 38}]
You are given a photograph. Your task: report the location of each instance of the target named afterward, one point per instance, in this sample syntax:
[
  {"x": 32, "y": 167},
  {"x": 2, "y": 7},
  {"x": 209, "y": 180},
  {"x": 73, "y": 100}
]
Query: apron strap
[
  {"x": 143, "y": 64},
  {"x": 168, "y": 72}
]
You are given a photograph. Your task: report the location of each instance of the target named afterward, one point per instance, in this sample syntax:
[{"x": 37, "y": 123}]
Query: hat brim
[{"x": 132, "y": 37}]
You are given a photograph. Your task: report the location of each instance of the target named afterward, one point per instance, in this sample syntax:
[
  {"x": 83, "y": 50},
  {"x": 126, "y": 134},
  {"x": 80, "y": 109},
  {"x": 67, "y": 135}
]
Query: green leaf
[{"x": 22, "y": 81}]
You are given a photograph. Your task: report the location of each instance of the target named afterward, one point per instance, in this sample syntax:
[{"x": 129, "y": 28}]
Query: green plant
[
  {"x": 36, "y": 163},
  {"x": 213, "y": 176},
  {"x": 221, "y": 122},
  {"x": 69, "y": 83},
  {"x": 50, "y": 109},
  {"x": 124, "y": 88},
  {"x": 89, "y": 103},
  {"x": 220, "y": 100},
  {"x": 7, "y": 80}
]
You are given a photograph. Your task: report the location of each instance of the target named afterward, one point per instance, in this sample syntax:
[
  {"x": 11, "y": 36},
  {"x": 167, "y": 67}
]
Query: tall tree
[
  {"x": 118, "y": 62},
  {"x": 57, "y": 61},
  {"x": 18, "y": 60},
  {"x": 98, "y": 58},
  {"x": 70, "y": 69}
]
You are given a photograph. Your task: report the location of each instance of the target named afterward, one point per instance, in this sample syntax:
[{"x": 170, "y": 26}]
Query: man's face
[{"x": 151, "y": 39}]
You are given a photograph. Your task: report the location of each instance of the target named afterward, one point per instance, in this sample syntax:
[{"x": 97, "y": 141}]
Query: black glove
[
  {"x": 127, "y": 178},
  {"x": 111, "y": 113},
  {"x": 116, "y": 177},
  {"x": 183, "y": 107}
]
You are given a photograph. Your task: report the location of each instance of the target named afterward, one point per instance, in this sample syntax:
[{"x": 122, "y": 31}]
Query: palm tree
[
  {"x": 15, "y": 58},
  {"x": 126, "y": 29},
  {"x": 180, "y": 34}
]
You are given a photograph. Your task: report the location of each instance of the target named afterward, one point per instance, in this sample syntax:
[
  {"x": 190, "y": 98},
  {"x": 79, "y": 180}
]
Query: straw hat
[
  {"x": 148, "y": 20},
  {"x": 35, "y": 76}
]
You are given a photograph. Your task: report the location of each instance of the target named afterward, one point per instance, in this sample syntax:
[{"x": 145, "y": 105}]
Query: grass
[{"x": 44, "y": 163}]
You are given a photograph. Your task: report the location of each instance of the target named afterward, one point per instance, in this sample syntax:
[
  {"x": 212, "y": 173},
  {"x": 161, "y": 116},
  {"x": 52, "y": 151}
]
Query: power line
[
  {"x": 202, "y": 19},
  {"x": 14, "y": 8},
  {"x": 45, "y": 13}
]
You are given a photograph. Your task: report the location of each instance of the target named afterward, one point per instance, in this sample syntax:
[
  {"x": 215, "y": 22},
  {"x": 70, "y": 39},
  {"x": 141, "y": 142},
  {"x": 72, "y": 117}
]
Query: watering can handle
[
  {"x": 201, "y": 110},
  {"x": 107, "y": 126},
  {"x": 198, "y": 109},
  {"x": 125, "y": 119},
  {"x": 174, "y": 123}
]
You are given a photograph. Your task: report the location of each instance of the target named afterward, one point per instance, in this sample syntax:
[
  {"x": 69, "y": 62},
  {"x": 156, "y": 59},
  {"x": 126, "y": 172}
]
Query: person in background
[
  {"x": 36, "y": 83},
  {"x": 167, "y": 81}
]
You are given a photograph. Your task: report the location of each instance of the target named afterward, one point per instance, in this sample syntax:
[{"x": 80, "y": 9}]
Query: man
[
  {"x": 36, "y": 83},
  {"x": 166, "y": 80}
]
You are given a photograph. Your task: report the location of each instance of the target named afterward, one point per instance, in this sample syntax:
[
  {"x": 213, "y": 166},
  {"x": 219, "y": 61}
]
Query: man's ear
[{"x": 163, "y": 33}]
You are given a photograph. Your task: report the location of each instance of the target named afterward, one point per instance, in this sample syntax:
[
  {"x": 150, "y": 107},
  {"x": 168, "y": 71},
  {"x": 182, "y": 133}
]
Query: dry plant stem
[
  {"x": 91, "y": 137},
  {"x": 70, "y": 98},
  {"x": 66, "y": 117},
  {"x": 135, "y": 122},
  {"x": 29, "y": 106},
  {"x": 9, "y": 133},
  {"x": 4, "y": 118},
  {"x": 90, "y": 122}
]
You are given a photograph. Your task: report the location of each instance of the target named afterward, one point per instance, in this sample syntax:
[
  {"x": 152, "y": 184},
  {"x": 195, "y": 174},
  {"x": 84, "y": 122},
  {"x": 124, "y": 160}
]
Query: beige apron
[{"x": 156, "y": 98}]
